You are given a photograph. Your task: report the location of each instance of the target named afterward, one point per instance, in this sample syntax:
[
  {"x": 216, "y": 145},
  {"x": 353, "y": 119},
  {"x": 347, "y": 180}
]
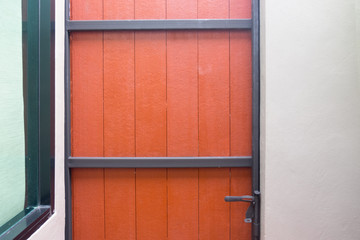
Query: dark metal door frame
[{"x": 168, "y": 162}]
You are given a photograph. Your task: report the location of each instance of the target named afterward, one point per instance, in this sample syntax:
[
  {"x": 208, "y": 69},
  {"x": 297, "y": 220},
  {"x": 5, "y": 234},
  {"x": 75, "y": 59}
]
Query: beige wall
[
  {"x": 310, "y": 120},
  {"x": 310, "y": 137}
]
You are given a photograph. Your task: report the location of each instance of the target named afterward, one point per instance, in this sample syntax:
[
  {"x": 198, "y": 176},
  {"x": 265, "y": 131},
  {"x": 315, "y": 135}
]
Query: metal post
[
  {"x": 68, "y": 218},
  {"x": 256, "y": 117}
]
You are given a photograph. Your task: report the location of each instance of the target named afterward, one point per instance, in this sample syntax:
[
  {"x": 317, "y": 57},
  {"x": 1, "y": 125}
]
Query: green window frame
[{"x": 38, "y": 80}]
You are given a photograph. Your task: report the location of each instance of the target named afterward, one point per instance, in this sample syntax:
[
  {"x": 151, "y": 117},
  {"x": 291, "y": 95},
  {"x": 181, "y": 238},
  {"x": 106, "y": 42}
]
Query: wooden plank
[
  {"x": 150, "y": 74},
  {"x": 182, "y": 94},
  {"x": 214, "y": 213},
  {"x": 240, "y": 185},
  {"x": 183, "y": 204},
  {"x": 214, "y": 126},
  {"x": 87, "y": 203},
  {"x": 240, "y": 85},
  {"x": 214, "y": 122},
  {"x": 213, "y": 9},
  {"x": 119, "y": 90},
  {"x": 86, "y": 10},
  {"x": 186, "y": 9},
  {"x": 182, "y": 123},
  {"x": 86, "y": 51},
  {"x": 151, "y": 204},
  {"x": 120, "y": 204},
  {"x": 119, "y": 122},
  {"x": 155, "y": 9},
  {"x": 86, "y": 94},
  {"x": 119, "y": 9},
  {"x": 150, "y": 100},
  {"x": 240, "y": 8}
]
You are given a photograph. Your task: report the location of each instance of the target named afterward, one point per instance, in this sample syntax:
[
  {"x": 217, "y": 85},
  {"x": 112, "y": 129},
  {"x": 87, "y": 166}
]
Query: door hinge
[{"x": 253, "y": 200}]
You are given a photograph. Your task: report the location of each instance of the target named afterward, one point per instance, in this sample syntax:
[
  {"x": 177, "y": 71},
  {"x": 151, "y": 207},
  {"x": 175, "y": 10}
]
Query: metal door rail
[
  {"x": 158, "y": 162},
  {"x": 186, "y": 24}
]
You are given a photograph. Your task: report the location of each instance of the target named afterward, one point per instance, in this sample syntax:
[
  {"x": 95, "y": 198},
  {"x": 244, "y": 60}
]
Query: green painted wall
[{"x": 12, "y": 146}]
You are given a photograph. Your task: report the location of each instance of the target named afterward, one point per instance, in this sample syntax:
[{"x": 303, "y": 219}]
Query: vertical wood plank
[
  {"x": 150, "y": 100},
  {"x": 119, "y": 122},
  {"x": 213, "y": 9},
  {"x": 214, "y": 126},
  {"x": 88, "y": 203},
  {"x": 214, "y": 90},
  {"x": 182, "y": 96},
  {"x": 240, "y": 185},
  {"x": 119, "y": 9},
  {"x": 87, "y": 122},
  {"x": 86, "y": 10},
  {"x": 119, "y": 101},
  {"x": 183, "y": 209},
  {"x": 214, "y": 122},
  {"x": 150, "y": 74},
  {"x": 151, "y": 204},
  {"x": 214, "y": 130},
  {"x": 120, "y": 204},
  {"x": 186, "y": 9},
  {"x": 241, "y": 102},
  {"x": 214, "y": 213},
  {"x": 155, "y": 9},
  {"x": 240, "y": 8},
  {"x": 150, "y": 78},
  {"x": 86, "y": 94}
]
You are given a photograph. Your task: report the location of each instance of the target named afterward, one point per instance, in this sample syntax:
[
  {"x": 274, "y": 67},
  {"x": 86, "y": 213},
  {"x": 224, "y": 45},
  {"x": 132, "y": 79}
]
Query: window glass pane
[{"x": 12, "y": 139}]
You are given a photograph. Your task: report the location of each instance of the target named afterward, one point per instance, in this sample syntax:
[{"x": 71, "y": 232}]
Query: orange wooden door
[{"x": 160, "y": 94}]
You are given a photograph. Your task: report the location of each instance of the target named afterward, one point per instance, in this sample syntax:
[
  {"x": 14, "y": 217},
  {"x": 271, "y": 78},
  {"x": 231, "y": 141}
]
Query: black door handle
[{"x": 246, "y": 198}]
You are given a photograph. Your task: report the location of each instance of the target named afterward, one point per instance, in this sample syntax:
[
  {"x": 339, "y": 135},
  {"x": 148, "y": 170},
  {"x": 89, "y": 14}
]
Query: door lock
[{"x": 246, "y": 198}]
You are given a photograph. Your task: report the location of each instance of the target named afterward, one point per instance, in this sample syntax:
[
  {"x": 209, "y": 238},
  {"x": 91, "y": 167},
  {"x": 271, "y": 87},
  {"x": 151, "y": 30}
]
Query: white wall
[
  {"x": 311, "y": 119},
  {"x": 54, "y": 228}
]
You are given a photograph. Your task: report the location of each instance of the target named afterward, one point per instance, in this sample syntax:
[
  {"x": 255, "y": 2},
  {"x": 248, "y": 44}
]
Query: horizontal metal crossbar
[
  {"x": 186, "y": 24},
  {"x": 158, "y": 162}
]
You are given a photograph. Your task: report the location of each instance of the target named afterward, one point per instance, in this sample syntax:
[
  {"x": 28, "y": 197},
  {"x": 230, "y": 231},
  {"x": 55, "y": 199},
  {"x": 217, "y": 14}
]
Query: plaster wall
[{"x": 310, "y": 136}]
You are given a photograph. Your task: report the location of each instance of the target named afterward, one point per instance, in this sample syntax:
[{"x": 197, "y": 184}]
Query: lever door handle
[{"x": 245, "y": 198}]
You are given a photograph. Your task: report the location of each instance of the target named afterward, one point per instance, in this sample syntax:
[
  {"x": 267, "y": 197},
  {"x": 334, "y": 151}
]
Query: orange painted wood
[
  {"x": 213, "y": 9},
  {"x": 86, "y": 10},
  {"x": 174, "y": 93},
  {"x": 182, "y": 94},
  {"x": 119, "y": 123},
  {"x": 214, "y": 122},
  {"x": 186, "y": 9},
  {"x": 155, "y": 9},
  {"x": 150, "y": 100},
  {"x": 182, "y": 101},
  {"x": 119, "y": 9},
  {"x": 87, "y": 94},
  {"x": 120, "y": 204},
  {"x": 240, "y": 85},
  {"x": 214, "y": 212},
  {"x": 87, "y": 123},
  {"x": 240, "y": 8},
  {"x": 183, "y": 197},
  {"x": 88, "y": 203},
  {"x": 240, "y": 185},
  {"x": 150, "y": 82},
  {"x": 119, "y": 94},
  {"x": 151, "y": 204}
]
